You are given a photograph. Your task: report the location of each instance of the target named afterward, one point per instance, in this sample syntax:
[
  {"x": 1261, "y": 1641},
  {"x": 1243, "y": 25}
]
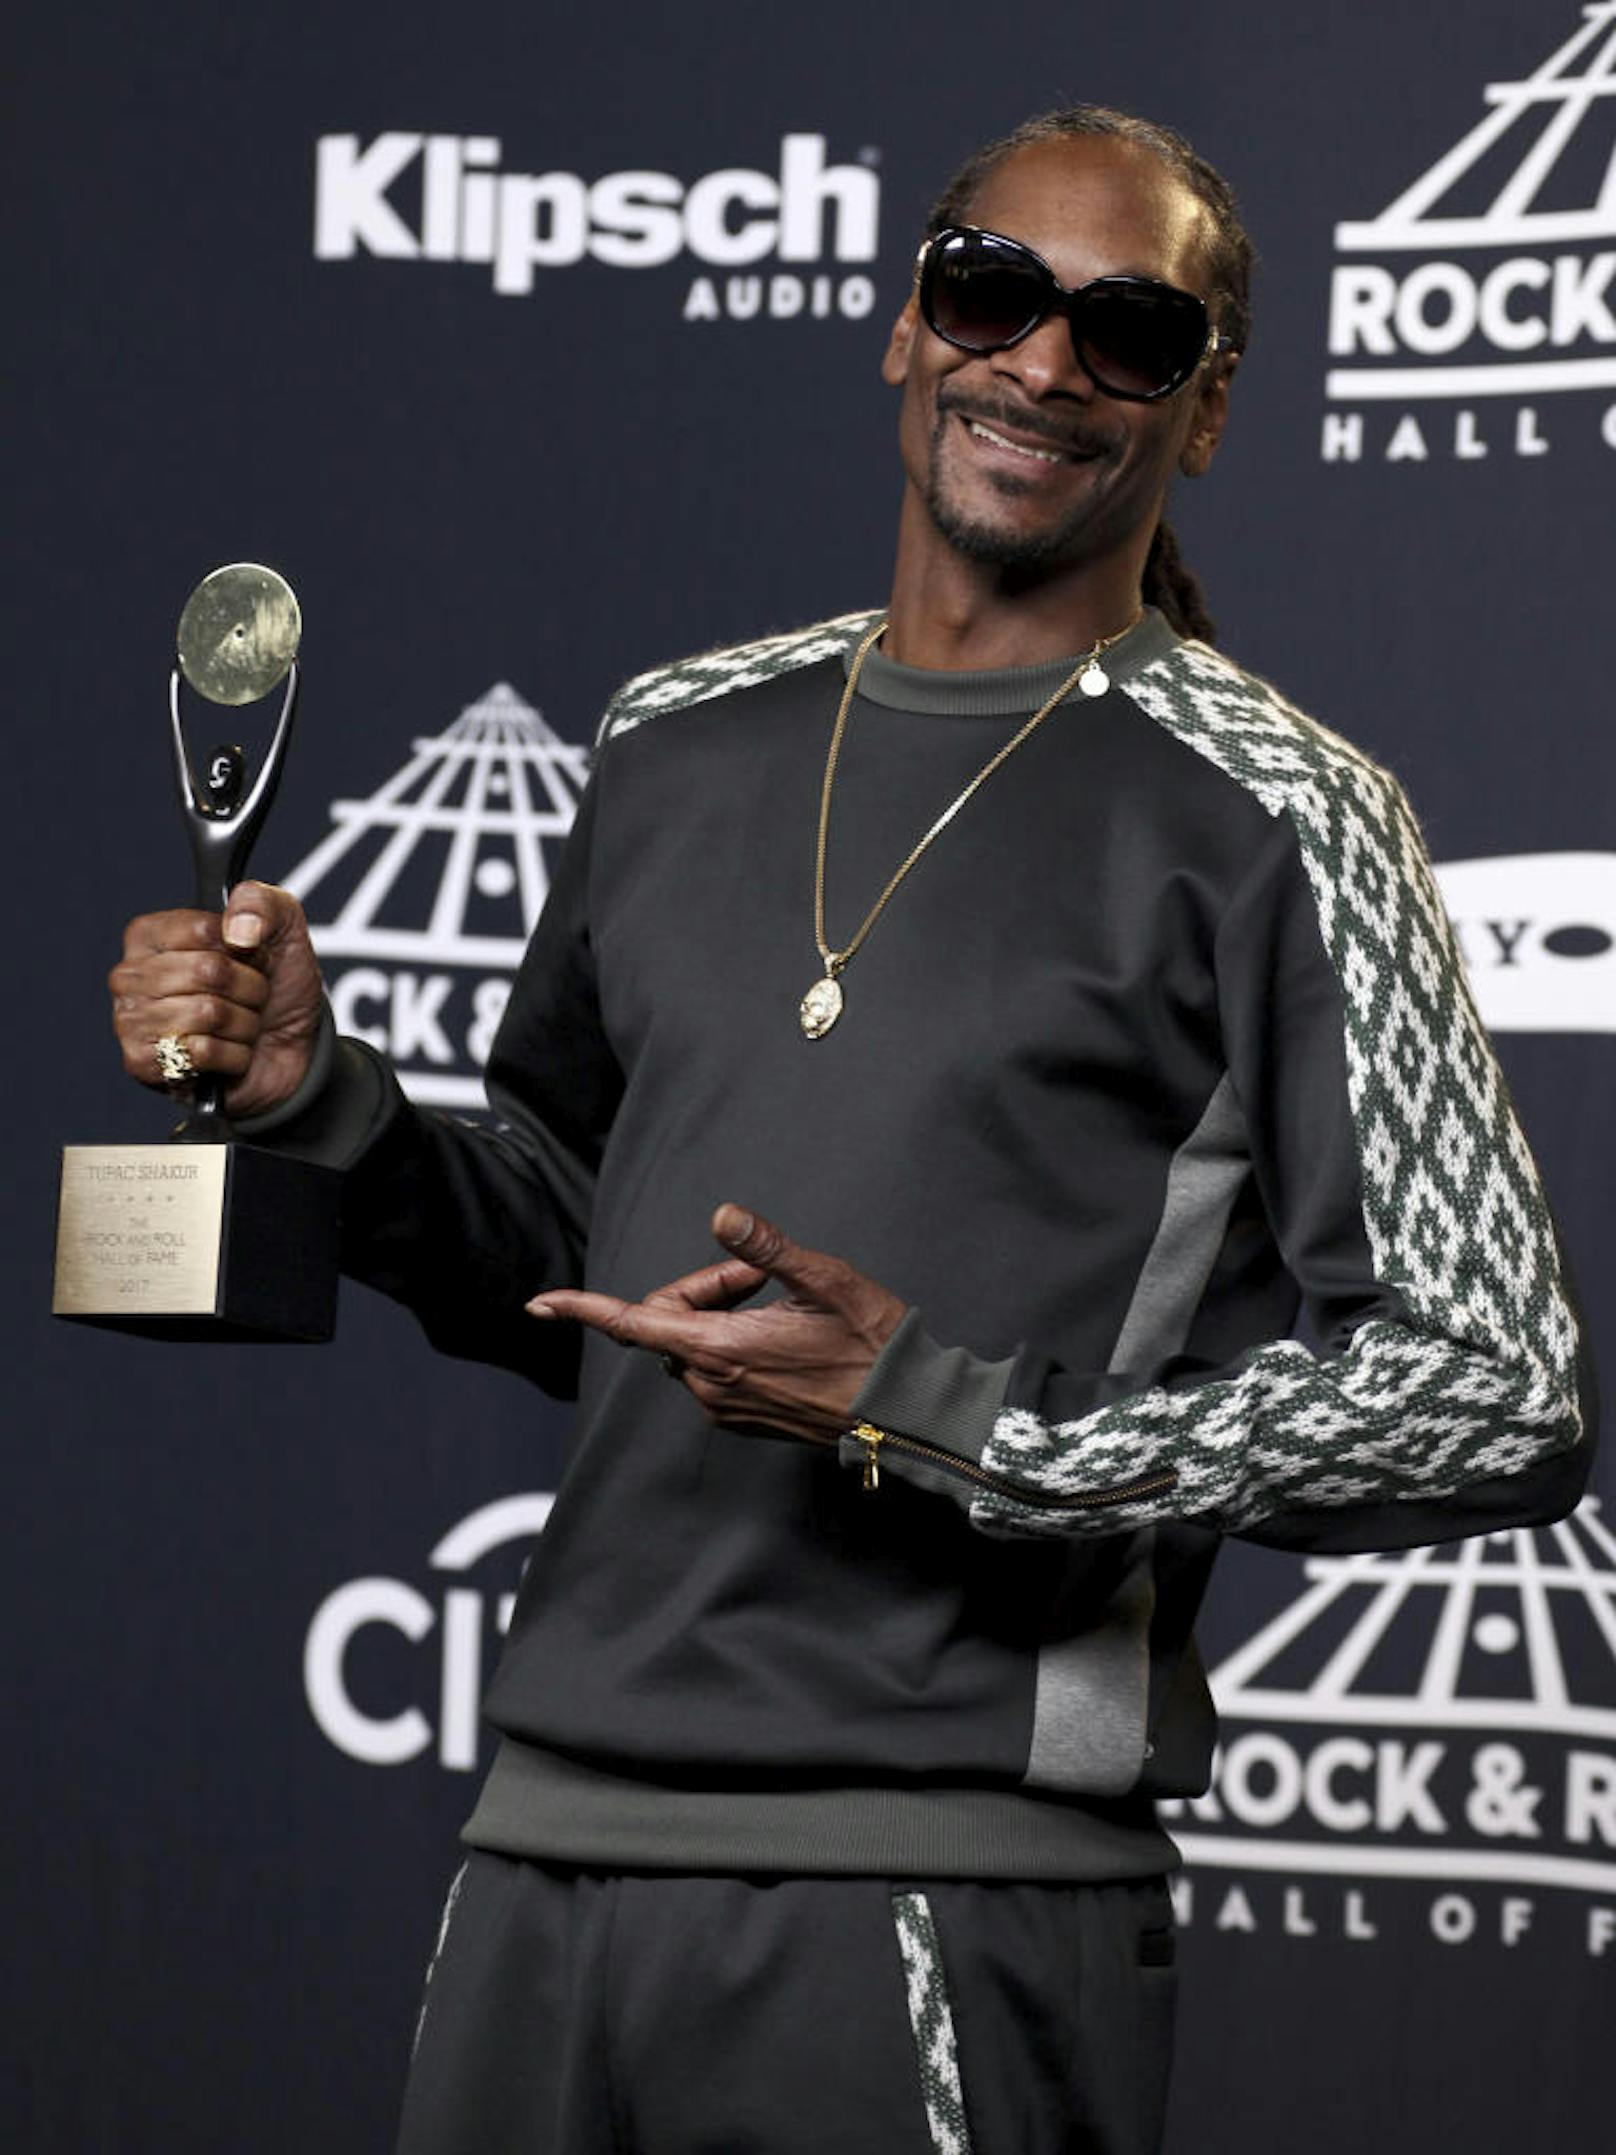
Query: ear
[
  {"x": 1211, "y": 415},
  {"x": 895, "y": 360}
]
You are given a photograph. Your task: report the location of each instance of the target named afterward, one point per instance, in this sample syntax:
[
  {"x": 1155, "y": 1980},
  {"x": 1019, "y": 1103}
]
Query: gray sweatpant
[{"x": 574, "y": 2013}]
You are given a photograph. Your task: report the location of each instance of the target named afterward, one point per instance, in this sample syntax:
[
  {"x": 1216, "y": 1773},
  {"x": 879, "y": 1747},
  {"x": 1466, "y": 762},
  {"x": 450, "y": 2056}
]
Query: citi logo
[
  {"x": 1492, "y": 277},
  {"x": 443, "y": 198},
  {"x": 390, "y": 1672}
]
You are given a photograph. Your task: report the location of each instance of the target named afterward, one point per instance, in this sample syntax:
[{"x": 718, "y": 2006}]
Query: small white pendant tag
[
  {"x": 821, "y": 1007},
  {"x": 1094, "y": 680}
]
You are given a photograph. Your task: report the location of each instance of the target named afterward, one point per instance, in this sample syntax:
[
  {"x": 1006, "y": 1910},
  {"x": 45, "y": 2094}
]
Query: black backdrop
[{"x": 243, "y": 1655}]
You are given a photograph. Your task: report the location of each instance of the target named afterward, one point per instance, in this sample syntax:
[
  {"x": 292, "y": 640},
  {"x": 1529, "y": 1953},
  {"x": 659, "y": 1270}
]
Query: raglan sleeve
[
  {"x": 463, "y": 1221},
  {"x": 1437, "y": 1386}
]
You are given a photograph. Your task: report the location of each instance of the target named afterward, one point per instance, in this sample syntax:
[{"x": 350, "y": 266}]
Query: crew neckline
[{"x": 1004, "y": 690}]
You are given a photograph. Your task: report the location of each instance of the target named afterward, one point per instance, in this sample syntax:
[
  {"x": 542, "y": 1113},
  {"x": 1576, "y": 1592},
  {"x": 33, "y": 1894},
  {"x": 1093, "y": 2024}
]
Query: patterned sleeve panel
[
  {"x": 732, "y": 666},
  {"x": 1475, "y": 1377}
]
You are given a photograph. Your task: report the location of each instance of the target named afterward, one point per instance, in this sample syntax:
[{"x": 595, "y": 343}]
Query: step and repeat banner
[{"x": 536, "y": 347}]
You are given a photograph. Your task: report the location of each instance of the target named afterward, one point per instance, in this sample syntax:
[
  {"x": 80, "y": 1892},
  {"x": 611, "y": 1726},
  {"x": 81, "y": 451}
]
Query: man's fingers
[
  {"x": 259, "y": 914},
  {"x": 711, "y": 1389},
  {"x": 711, "y": 1290},
  {"x": 164, "y": 977},
  {"x": 660, "y": 1330},
  {"x": 759, "y": 1242},
  {"x": 174, "y": 930},
  {"x": 600, "y": 1311},
  {"x": 218, "y": 1058},
  {"x": 240, "y": 991},
  {"x": 721, "y": 1286},
  {"x": 189, "y": 989},
  {"x": 200, "y": 1017},
  {"x": 794, "y": 1363}
]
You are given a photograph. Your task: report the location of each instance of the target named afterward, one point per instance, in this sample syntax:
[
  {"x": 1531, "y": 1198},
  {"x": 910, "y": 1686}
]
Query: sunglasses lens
[
  {"x": 982, "y": 292},
  {"x": 1138, "y": 340}
]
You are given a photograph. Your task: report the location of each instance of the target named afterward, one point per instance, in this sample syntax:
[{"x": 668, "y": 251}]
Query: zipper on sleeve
[{"x": 874, "y": 1440}]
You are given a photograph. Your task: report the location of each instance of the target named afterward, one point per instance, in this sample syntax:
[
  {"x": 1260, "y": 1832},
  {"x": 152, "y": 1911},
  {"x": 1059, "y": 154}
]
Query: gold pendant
[{"x": 821, "y": 1007}]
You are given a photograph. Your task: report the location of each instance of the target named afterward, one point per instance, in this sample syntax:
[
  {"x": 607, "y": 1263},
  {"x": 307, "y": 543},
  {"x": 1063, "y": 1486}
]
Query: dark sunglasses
[{"x": 1134, "y": 337}]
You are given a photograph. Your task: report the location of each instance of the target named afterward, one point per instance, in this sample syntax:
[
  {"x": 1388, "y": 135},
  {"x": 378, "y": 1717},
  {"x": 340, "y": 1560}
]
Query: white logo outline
[
  {"x": 396, "y": 1605},
  {"x": 1335, "y": 1698},
  {"x": 499, "y": 790},
  {"x": 1568, "y": 85}
]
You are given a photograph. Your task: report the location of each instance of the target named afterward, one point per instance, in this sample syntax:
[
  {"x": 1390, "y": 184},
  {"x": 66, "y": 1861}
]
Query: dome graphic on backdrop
[
  {"x": 421, "y": 898},
  {"x": 1502, "y": 1646},
  {"x": 1551, "y": 114},
  {"x": 1536, "y": 176},
  {"x": 446, "y": 862},
  {"x": 1523, "y": 1605}
]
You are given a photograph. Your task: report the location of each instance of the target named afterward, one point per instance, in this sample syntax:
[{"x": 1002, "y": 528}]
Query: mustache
[{"x": 1071, "y": 438}]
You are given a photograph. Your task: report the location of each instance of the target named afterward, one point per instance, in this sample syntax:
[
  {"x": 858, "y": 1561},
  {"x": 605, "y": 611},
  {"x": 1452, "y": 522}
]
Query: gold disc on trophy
[{"x": 239, "y": 633}]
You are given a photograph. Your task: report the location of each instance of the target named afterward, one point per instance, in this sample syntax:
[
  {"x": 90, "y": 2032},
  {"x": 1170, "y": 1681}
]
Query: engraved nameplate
[{"x": 139, "y": 1230}]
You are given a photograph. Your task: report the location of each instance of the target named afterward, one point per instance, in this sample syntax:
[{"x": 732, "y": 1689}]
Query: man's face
[{"x": 1018, "y": 459}]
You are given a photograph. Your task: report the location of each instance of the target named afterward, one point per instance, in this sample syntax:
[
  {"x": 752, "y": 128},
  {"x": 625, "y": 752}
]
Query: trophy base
[{"x": 197, "y": 1242}]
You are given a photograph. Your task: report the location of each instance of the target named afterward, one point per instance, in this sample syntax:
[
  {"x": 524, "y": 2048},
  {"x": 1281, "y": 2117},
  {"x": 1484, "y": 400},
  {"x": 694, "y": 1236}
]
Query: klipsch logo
[
  {"x": 444, "y": 198},
  {"x": 1488, "y": 287},
  {"x": 1445, "y": 1718},
  {"x": 422, "y": 898},
  {"x": 390, "y": 1669}
]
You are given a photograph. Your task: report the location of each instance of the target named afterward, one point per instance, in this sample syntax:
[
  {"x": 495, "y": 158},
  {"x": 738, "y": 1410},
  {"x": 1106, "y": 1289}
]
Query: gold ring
[{"x": 174, "y": 1064}]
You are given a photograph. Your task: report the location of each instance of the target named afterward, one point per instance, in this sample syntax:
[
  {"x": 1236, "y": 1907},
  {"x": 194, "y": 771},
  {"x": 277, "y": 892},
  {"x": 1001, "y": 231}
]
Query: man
[{"x": 859, "y": 1643}]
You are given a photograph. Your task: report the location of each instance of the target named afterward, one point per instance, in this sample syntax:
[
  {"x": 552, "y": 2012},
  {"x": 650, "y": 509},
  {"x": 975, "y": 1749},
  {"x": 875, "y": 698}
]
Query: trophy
[{"x": 205, "y": 1236}]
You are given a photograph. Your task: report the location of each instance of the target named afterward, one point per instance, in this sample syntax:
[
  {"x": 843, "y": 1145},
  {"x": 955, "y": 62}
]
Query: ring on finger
[{"x": 174, "y": 1064}]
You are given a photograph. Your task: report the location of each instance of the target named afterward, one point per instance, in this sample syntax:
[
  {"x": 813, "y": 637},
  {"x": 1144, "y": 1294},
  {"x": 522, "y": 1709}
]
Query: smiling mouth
[{"x": 1016, "y": 448}]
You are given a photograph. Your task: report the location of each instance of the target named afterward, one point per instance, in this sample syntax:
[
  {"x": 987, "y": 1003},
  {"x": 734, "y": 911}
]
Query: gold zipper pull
[{"x": 872, "y": 1439}]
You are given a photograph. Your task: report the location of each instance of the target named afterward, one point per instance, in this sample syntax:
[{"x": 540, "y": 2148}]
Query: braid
[{"x": 1170, "y": 584}]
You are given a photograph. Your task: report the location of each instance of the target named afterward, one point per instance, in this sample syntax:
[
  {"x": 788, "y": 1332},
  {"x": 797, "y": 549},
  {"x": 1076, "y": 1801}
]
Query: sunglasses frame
[{"x": 1067, "y": 300}]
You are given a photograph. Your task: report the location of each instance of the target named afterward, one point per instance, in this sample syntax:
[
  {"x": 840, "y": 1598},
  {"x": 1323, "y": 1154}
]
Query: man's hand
[
  {"x": 795, "y": 1364},
  {"x": 241, "y": 991}
]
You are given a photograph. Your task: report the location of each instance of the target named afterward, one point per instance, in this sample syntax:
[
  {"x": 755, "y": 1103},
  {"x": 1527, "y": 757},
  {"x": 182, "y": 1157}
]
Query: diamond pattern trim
[
  {"x": 1482, "y": 1382},
  {"x": 932, "y": 2019},
  {"x": 716, "y": 673}
]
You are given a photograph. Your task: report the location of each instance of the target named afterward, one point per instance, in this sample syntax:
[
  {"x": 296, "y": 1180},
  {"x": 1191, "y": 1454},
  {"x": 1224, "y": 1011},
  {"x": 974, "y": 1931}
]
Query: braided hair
[{"x": 1168, "y": 582}]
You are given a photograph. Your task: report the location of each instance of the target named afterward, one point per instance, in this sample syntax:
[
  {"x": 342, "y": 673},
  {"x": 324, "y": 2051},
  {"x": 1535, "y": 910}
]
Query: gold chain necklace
[{"x": 823, "y": 1003}]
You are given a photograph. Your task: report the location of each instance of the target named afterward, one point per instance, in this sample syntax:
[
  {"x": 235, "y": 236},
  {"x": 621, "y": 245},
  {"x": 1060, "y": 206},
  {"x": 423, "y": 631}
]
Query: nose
[{"x": 1046, "y": 363}]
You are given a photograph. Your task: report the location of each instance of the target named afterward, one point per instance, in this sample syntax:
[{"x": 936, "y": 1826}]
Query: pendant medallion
[{"x": 821, "y": 1007}]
